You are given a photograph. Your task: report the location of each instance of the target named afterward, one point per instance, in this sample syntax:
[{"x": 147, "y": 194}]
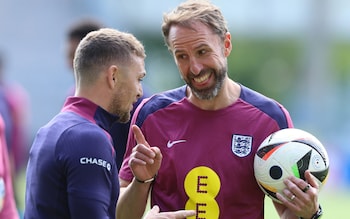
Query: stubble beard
[
  {"x": 211, "y": 92},
  {"x": 116, "y": 106}
]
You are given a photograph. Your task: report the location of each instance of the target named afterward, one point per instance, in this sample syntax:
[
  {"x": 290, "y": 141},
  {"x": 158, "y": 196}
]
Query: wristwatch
[{"x": 318, "y": 213}]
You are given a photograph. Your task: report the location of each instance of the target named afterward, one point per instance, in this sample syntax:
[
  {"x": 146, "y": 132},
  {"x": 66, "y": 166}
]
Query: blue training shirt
[{"x": 71, "y": 171}]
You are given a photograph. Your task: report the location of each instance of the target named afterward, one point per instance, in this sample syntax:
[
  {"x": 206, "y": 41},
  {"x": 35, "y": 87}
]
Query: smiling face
[{"x": 201, "y": 57}]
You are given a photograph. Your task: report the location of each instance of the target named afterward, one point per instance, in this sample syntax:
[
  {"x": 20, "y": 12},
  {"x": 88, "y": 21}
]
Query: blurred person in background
[
  {"x": 75, "y": 34},
  {"x": 8, "y": 209},
  {"x": 14, "y": 109},
  {"x": 207, "y": 131}
]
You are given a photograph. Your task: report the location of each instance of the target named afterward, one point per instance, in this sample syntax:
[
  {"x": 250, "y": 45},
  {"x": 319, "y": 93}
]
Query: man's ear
[
  {"x": 227, "y": 44},
  {"x": 112, "y": 73}
]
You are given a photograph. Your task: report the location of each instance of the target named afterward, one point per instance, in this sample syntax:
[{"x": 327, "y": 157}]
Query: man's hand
[
  {"x": 154, "y": 214},
  {"x": 299, "y": 196},
  {"x": 144, "y": 160}
]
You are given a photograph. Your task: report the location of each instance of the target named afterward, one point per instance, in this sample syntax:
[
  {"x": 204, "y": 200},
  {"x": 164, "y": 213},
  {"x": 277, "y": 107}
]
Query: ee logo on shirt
[{"x": 202, "y": 185}]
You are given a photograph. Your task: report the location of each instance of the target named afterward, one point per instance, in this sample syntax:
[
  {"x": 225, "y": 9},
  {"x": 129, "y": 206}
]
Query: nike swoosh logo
[{"x": 172, "y": 143}]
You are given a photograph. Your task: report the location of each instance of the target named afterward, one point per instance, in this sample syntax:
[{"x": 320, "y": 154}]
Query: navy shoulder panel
[
  {"x": 266, "y": 105},
  {"x": 159, "y": 101}
]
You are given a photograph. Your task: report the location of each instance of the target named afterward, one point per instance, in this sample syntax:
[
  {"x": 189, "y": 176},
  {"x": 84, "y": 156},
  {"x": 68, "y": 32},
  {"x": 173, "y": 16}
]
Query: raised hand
[{"x": 144, "y": 160}]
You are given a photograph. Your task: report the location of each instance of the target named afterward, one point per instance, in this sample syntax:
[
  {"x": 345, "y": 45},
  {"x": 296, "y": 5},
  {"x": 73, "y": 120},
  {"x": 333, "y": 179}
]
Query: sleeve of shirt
[{"x": 89, "y": 163}]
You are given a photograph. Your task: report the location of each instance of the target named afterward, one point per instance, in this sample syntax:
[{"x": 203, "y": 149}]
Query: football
[{"x": 288, "y": 152}]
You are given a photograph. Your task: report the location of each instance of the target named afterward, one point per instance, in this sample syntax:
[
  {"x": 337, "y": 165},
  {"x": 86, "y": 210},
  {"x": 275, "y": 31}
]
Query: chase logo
[{"x": 95, "y": 161}]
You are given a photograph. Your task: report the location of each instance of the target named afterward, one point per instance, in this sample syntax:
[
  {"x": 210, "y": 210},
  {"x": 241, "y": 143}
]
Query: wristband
[
  {"x": 147, "y": 180},
  {"x": 318, "y": 213}
]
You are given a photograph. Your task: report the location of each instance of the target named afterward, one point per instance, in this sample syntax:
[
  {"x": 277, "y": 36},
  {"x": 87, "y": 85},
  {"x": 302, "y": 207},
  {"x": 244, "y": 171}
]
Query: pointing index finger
[
  {"x": 185, "y": 213},
  {"x": 139, "y": 137}
]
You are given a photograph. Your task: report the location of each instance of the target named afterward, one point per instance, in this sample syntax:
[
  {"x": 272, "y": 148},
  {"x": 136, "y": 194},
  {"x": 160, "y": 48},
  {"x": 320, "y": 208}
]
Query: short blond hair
[{"x": 101, "y": 48}]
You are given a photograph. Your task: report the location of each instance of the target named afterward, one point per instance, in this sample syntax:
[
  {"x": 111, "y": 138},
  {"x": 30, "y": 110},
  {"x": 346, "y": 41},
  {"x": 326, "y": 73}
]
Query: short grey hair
[{"x": 195, "y": 10}]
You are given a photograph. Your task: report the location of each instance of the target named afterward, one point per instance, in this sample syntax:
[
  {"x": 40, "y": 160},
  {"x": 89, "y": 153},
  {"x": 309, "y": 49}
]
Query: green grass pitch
[{"x": 335, "y": 204}]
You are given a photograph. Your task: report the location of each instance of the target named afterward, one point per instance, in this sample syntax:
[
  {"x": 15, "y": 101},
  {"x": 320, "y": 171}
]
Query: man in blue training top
[
  {"x": 72, "y": 171},
  {"x": 75, "y": 34}
]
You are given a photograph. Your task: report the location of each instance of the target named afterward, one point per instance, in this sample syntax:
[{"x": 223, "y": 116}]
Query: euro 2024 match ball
[{"x": 289, "y": 152}]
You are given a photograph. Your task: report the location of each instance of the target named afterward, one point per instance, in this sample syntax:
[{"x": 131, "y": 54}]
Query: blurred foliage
[
  {"x": 270, "y": 66},
  {"x": 340, "y": 61}
]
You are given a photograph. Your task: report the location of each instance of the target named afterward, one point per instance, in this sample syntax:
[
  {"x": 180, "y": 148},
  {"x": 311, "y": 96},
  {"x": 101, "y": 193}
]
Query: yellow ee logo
[{"x": 202, "y": 185}]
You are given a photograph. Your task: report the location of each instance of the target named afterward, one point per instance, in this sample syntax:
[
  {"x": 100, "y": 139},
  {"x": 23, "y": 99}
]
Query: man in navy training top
[
  {"x": 72, "y": 171},
  {"x": 75, "y": 34}
]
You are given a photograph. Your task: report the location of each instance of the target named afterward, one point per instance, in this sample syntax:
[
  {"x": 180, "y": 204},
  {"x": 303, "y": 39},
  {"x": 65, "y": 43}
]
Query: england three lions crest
[{"x": 241, "y": 145}]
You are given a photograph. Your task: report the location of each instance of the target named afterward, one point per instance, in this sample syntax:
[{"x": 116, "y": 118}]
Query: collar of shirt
[{"x": 90, "y": 111}]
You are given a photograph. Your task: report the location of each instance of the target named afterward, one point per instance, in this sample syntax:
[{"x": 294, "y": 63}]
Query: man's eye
[
  {"x": 181, "y": 56},
  {"x": 202, "y": 51}
]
